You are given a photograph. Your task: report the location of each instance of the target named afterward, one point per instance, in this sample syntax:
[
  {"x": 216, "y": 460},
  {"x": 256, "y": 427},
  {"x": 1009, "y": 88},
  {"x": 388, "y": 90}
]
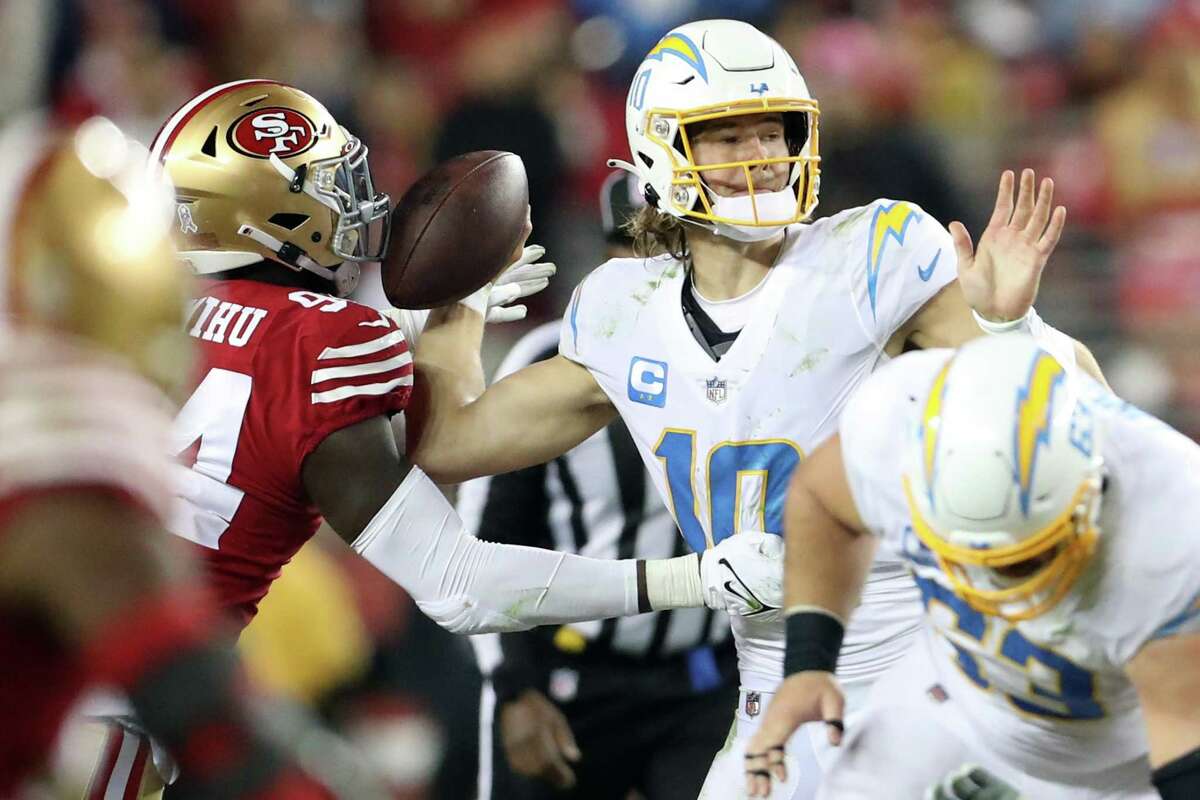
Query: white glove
[
  {"x": 743, "y": 575},
  {"x": 522, "y": 278}
]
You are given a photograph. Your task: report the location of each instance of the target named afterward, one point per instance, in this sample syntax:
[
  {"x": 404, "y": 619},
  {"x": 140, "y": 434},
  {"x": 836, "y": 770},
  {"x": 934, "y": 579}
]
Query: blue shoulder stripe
[{"x": 1176, "y": 623}]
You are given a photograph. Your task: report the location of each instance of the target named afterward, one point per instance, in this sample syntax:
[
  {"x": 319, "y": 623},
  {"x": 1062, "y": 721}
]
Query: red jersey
[
  {"x": 71, "y": 418},
  {"x": 282, "y": 369}
]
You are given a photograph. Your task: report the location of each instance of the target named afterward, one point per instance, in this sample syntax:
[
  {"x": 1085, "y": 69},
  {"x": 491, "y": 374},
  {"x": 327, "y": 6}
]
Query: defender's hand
[
  {"x": 537, "y": 739},
  {"x": 803, "y": 697},
  {"x": 1000, "y": 279},
  {"x": 743, "y": 575}
]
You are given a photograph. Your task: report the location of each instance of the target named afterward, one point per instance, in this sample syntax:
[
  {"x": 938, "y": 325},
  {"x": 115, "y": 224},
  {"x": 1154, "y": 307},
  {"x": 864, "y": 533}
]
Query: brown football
[{"x": 455, "y": 229}]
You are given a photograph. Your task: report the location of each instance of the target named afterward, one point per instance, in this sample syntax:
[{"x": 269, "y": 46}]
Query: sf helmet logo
[{"x": 263, "y": 132}]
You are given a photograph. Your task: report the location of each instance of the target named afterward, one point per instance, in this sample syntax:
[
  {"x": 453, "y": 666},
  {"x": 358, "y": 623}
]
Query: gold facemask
[
  {"x": 686, "y": 174},
  {"x": 1071, "y": 538}
]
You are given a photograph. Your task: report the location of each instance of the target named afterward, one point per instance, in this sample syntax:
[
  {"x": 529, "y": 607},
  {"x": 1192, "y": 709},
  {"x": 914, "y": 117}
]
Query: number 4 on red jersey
[{"x": 282, "y": 370}]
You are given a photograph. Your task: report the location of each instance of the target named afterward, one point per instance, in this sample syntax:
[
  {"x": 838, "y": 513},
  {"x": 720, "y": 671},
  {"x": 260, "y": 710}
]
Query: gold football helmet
[
  {"x": 86, "y": 249},
  {"x": 263, "y": 171}
]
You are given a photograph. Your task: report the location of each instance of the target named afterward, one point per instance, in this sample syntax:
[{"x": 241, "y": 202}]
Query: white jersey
[
  {"x": 721, "y": 438},
  {"x": 1051, "y": 689}
]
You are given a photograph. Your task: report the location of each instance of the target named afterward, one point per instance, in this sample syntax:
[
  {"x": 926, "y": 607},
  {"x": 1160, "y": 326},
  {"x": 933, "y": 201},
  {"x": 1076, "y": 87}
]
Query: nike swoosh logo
[
  {"x": 756, "y": 606},
  {"x": 927, "y": 273},
  {"x": 752, "y": 601}
]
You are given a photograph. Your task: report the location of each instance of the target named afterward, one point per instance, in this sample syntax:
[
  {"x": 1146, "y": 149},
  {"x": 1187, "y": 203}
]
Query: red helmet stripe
[{"x": 171, "y": 128}]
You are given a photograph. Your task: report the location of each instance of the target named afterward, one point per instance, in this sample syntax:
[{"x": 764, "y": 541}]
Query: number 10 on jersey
[{"x": 746, "y": 481}]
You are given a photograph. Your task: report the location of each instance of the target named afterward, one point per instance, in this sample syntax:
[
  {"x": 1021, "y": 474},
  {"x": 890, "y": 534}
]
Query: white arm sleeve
[
  {"x": 470, "y": 586},
  {"x": 411, "y": 322}
]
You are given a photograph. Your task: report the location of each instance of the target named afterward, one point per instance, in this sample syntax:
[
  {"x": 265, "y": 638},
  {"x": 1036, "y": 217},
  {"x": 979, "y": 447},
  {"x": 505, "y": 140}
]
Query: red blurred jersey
[
  {"x": 281, "y": 369},
  {"x": 71, "y": 419}
]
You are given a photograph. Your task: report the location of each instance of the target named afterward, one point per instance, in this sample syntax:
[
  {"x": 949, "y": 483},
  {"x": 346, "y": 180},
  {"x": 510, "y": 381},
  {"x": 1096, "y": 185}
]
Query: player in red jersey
[
  {"x": 291, "y": 419},
  {"x": 92, "y": 590}
]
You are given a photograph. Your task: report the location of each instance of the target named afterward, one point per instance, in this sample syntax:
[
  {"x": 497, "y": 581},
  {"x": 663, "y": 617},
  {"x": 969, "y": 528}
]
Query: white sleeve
[
  {"x": 471, "y": 586},
  {"x": 909, "y": 258},
  {"x": 1154, "y": 493},
  {"x": 410, "y": 321}
]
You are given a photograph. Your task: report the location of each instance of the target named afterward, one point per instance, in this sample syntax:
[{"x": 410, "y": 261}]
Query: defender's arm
[{"x": 396, "y": 518}]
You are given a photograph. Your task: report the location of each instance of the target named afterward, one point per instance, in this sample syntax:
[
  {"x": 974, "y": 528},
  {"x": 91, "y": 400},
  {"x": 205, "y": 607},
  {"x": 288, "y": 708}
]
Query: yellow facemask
[{"x": 1071, "y": 538}]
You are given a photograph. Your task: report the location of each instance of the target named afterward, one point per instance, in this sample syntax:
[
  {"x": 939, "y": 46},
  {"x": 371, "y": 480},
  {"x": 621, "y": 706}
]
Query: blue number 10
[{"x": 771, "y": 460}]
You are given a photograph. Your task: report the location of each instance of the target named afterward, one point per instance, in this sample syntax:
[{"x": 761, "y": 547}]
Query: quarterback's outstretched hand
[
  {"x": 1000, "y": 279},
  {"x": 803, "y": 697},
  {"x": 743, "y": 575},
  {"x": 523, "y": 278}
]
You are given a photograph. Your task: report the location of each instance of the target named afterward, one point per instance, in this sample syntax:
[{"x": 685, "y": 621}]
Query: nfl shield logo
[
  {"x": 753, "y": 704},
  {"x": 714, "y": 388}
]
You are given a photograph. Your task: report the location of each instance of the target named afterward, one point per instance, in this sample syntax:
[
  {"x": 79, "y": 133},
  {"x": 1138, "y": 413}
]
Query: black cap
[{"x": 619, "y": 202}]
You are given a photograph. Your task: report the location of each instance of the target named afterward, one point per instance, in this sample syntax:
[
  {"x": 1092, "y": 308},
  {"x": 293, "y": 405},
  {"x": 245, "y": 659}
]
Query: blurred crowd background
[{"x": 924, "y": 100}]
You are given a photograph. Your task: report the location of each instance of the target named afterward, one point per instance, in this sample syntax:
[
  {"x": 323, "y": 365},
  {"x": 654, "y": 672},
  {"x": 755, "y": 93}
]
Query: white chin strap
[
  {"x": 344, "y": 277},
  {"x": 770, "y": 205}
]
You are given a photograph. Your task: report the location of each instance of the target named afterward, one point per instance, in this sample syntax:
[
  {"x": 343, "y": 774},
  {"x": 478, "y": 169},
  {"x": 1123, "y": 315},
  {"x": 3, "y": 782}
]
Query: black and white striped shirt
[{"x": 596, "y": 501}]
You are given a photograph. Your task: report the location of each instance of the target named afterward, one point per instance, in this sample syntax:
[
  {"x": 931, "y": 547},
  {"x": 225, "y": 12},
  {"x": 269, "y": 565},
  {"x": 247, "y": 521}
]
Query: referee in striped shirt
[{"x": 612, "y": 709}]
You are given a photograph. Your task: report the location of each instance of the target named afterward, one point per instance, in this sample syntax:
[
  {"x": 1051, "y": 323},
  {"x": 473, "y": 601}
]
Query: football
[{"x": 456, "y": 228}]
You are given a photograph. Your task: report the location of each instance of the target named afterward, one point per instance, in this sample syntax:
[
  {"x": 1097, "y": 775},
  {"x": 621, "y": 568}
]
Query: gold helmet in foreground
[{"x": 85, "y": 250}]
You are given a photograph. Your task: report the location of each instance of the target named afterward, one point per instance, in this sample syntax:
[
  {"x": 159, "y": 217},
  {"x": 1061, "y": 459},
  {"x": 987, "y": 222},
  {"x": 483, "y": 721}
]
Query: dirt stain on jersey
[
  {"x": 810, "y": 361},
  {"x": 642, "y": 295},
  {"x": 852, "y": 218}
]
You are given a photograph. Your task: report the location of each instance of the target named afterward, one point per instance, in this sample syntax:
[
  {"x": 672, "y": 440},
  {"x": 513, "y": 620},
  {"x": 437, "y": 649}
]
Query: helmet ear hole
[
  {"x": 209, "y": 148},
  {"x": 647, "y": 160},
  {"x": 287, "y": 220},
  {"x": 651, "y": 196}
]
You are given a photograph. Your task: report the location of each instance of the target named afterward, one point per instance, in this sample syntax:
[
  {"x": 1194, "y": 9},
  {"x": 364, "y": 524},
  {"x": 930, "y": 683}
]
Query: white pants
[
  {"x": 808, "y": 754},
  {"x": 912, "y": 733}
]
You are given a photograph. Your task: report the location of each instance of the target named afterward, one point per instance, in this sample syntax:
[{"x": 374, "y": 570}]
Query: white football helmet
[
  {"x": 708, "y": 70},
  {"x": 1003, "y": 477}
]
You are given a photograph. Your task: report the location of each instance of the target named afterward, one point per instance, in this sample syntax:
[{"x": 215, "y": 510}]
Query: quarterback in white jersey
[
  {"x": 730, "y": 353},
  {"x": 1041, "y": 517}
]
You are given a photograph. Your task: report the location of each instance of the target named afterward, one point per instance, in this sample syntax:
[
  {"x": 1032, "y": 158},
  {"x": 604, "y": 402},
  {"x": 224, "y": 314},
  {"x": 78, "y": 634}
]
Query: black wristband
[
  {"x": 1180, "y": 778},
  {"x": 643, "y": 591},
  {"x": 814, "y": 640}
]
